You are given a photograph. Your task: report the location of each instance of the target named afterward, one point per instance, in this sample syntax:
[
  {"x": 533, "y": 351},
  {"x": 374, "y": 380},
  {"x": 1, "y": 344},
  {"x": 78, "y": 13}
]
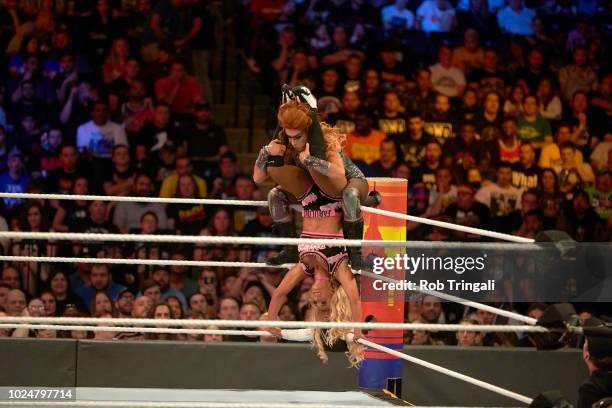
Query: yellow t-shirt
[
  {"x": 364, "y": 148},
  {"x": 168, "y": 187}
]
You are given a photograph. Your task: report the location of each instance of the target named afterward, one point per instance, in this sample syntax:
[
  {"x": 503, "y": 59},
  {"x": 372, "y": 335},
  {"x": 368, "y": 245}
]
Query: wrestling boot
[
  {"x": 354, "y": 230},
  {"x": 289, "y": 253}
]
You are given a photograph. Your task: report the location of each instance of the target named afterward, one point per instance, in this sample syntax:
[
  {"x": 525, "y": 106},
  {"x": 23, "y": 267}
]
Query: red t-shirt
[{"x": 189, "y": 92}]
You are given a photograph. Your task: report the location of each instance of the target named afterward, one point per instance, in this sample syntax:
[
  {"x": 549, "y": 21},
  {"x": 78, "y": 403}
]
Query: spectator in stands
[
  {"x": 197, "y": 302},
  {"x": 345, "y": 119},
  {"x": 169, "y": 187},
  {"x": 426, "y": 173},
  {"x": 220, "y": 224},
  {"x": 15, "y": 180},
  {"x": 100, "y": 280},
  {"x": 5, "y": 288},
  {"x": 142, "y": 307},
  {"x": 550, "y": 157},
  {"x": 584, "y": 133},
  {"x": 15, "y": 302},
  {"x": 572, "y": 172},
  {"x": 59, "y": 285},
  {"x": 435, "y": 16},
  {"x": 515, "y": 18},
  {"x": 383, "y": 167},
  {"x": 531, "y": 126},
  {"x": 124, "y": 304},
  {"x": 447, "y": 79},
  {"x": 97, "y": 137},
  {"x": 470, "y": 56},
  {"x": 464, "y": 152},
  {"x": 397, "y": 17},
  {"x": 501, "y": 197},
  {"x": 162, "y": 277},
  {"x": 224, "y": 186},
  {"x": 10, "y": 276},
  {"x": 525, "y": 173},
  {"x": 513, "y": 106},
  {"x": 489, "y": 78},
  {"x": 340, "y": 49},
  {"x": 179, "y": 276},
  {"x": 363, "y": 143},
  {"x": 204, "y": 141},
  {"x": 178, "y": 90},
  {"x": 70, "y": 213},
  {"x": 413, "y": 148},
  {"x": 161, "y": 311},
  {"x": 208, "y": 283},
  {"x": 600, "y": 195},
  {"x": 229, "y": 309},
  {"x": 468, "y": 211},
  {"x": 421, "y": 98},
  {"x": 188, "y": 219},
  {"x": 468, "y": 338},
  {"x": 550, "y": 103},
  {"x": 530, "y": 76},
  {"x": 115, "y": 65},
  {"x": 580, "y": 220},
  {"x": 101, "y": 302},
  {"x": 578, "y": 76},
  {"x": 439, "y": 121},
  {"x": 119, "y": 179},
  {"x": 96, "y": 223},
  {"x": 391, "y": 120},
  {"x": 127, "y": 214}
]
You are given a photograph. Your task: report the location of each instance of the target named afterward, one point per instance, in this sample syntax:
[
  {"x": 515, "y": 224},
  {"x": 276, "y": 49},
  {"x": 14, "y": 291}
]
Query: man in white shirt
[
  {"x": 447, "y": 79},
  {"x": 397, "y": 16},
  {"x": 100, "y": 135},
  {"x": 436, "y": 16},
  {"x": 515, "y": 18},
  {"x": 502, "y": 198}
]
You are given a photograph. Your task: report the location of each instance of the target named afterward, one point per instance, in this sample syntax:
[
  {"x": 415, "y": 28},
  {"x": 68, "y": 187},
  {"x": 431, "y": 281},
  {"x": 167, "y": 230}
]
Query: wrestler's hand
[
  {"x": 304, "y": 153},
  {"x": 276, "y": 148}
]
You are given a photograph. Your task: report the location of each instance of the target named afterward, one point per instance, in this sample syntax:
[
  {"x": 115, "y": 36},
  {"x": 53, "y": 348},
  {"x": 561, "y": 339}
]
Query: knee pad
[
  {"x": 351, "y": 204},
  {"x": 278, "y": 202}
]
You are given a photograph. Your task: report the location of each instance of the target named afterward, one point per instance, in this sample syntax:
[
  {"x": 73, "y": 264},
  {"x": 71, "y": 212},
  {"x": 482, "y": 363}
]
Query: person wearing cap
[
  {"x": 597, "y": 355},
  {"x": 469, "y": 212},
  {"x": 15, "y": 180}
]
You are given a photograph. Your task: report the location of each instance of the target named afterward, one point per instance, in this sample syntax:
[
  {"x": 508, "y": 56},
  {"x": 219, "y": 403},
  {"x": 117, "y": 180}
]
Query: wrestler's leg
[
  {"x": 353, "y": 195},
  {"x": 279, "y": 203},
  {"x": 291, "y": 181},
  {"x": 315, "y": 133}
]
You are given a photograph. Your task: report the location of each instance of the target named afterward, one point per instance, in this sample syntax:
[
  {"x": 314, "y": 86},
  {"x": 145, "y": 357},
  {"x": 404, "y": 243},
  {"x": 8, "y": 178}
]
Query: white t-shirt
[
  {"x": 501, "y": 201},
  {"x": 447, "y": 81},
  {"x": 394, "y": 18},
  {"x": 516, "y": 23},
  {"x": 434, "y": 19},
  {"x": 600, "y": 154},
  {"x": 100, "y": 140}
]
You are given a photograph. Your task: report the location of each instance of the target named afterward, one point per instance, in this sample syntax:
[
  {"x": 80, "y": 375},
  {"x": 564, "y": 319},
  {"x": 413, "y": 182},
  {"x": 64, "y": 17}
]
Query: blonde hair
[
  {"x": 340, "y": 312},
  {"x": 296, "y": 115}
]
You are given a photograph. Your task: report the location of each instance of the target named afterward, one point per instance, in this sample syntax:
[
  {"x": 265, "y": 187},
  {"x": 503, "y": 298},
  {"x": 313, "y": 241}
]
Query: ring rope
[
  {"x": 208, "y": 239},
  {"x": 265, "y": 323},
  {"x": 443, "y": 370},
  {"x": 128, "y": 261},
  {"x": 251, "y": 333},
  {"x": 436, "y": 223}
]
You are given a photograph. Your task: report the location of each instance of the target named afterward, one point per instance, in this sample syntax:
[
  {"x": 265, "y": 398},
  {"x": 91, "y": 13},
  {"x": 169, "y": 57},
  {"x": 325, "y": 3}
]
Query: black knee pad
[
  {"x": 279, "y": 204},
  {"x": 351, "y": 202}
]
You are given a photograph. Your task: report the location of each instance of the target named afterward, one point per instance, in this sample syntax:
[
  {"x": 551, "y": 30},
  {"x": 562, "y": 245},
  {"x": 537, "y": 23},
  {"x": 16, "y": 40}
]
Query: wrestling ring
[{"x": 293, "y": 331}]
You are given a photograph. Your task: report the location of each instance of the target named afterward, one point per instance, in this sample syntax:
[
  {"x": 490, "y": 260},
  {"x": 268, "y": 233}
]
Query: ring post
[{"x": 380, "y": 370}]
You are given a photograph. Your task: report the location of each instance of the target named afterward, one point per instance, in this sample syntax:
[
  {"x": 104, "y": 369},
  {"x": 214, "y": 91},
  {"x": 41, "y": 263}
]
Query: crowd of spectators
[{"x": 498, "y": 113}]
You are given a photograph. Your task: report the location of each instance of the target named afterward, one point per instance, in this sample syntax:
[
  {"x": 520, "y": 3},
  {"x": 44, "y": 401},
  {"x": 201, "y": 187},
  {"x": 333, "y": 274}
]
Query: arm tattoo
[
  {"x": 262, "y": 159},
  {"x": 322, "y": 166}
]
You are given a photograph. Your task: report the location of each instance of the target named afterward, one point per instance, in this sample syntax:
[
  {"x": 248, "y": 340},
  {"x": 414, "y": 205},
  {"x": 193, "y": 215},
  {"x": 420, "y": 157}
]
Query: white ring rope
[
  {"x": 129, "y": 199},
  {"x": 119, "y": 329},
  {"x": 128, "y": 261},
  {"x": 448, "y": 225},
  {"x": 233, "y": 240},
  {"x": 443, "y": 370},
  {"x": 265, "y": 323},
  {"x": 468, "y": 303},
  {"x": 190, "y": 239},
  {"x": 442, "y": 224}
]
